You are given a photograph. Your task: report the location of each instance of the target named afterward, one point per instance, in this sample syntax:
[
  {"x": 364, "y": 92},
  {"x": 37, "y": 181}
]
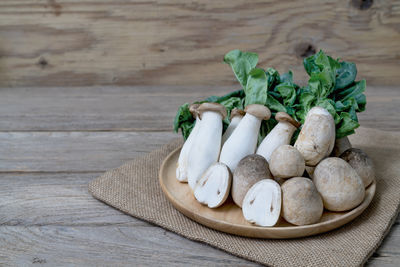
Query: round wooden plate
[{"x": 229, "y": 219}]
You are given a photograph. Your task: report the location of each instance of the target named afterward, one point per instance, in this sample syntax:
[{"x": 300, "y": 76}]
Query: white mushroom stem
[
  {"x": 280, "y": 135},
  {"x": 207, "y": 144},
  {"x": 182, "y": 164},
  {"x": 243, "y": 140},
  {"x": 236, "y": 117}
]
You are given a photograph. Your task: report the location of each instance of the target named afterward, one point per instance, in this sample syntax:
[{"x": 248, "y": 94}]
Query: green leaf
[
  {"x": 287, "y": 77},
  {"x": 256, "y": 88},
  {"x": 273, "y": 104},
  {"x": 288, "y": 93},
  {"x": 273, "y": 77},
  {"x": 241, "y": 63},
  {"x": 346, "y": 125},
  {"x": 355, "y": 91},
  {"x": 184, "y": 120},
  {"x": 346, "y": 74}
]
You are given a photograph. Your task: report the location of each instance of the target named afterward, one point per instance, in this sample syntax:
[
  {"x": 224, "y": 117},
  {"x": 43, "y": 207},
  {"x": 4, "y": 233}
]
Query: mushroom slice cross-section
[
  {"x": 262, "y": 203},
  {"x": 214, "y": 185}
]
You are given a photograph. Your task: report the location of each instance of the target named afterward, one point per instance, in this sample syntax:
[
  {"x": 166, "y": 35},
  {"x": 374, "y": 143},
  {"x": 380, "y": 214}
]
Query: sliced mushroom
[
  {"x": 207, "y": 144},
  {"x": 279, "y": 135},
  {"x": 214, "y": 185},
  {"x": 236, "y": 117},
  {"x": 262, "y": 203},
  {"x": 243, "y": 140},
  {"x": 181, "y": 165},
  {"x": 361, "y": 163},
  {"x": 317, "y": 137},
  {"x": 301, "y": 202},
  {"x": 249, "y": 171},
  {"x": 341, "y": 145},
  {"x": 286, "y": 161}
]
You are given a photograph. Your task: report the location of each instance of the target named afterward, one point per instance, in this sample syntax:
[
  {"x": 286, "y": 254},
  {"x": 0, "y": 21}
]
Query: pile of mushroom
[{"x": 274, "y": 180}]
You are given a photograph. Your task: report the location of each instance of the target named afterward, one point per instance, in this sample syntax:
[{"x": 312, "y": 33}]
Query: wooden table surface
[{"x": 54, "y": 140}]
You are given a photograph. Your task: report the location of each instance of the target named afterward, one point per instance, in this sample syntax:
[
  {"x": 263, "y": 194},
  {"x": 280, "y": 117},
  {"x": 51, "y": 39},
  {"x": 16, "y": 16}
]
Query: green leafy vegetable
[
  {"x": 242, "y": 63},
  {"x": 256, "y": 88},
  {"x": 331, "y": 85}
]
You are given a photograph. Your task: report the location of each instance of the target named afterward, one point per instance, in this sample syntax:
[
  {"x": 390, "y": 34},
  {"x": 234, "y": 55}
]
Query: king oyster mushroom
[
  {"x": 286, "y": 162},
  {"x": 207, "y": 144},
  {"x": 236, "y": 117},
  {"x": 262, "y": 203},
  {"x": 214, "y": 185},
  {"x": 317, "y": 137},
  {"x": 181, "y": 165},
  {"x": 361, "y": 163},
  {"x": 280, "y": 135},
  {"x": 249, "y": 171},
  {"x": 243, "y": 140},
  {"x": 301, "y": 202},
  {"x": 341, "y": 145},
  {"x": 338, "y": 183}
]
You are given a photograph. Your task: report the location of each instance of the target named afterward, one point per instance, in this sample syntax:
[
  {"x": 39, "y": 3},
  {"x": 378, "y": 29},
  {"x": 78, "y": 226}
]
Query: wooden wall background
[{"x": 146, "y": 42}]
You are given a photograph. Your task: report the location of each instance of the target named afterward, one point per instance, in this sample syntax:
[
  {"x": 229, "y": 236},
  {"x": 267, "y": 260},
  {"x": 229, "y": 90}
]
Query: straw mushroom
[
  {"x": 249, "y": 171},
  {"x": 338, "y": 183},
  {"x": 181, "y": 165},
  {"x": 243, "y": 140},
  {"x": 207, "y": 144},
  {"x": 286, "y": 161},
  {"x": 279, "y": 135},
  {"x": 317, "y": 137},
  {"x": 262, "y": 203},
  {"x": 301, "y": 202},
  {"x": 341, "y": 145},
  {"x": 236, "y": 117},
  {"x": 361, "y": 163},
  {"x": 214, "y": 185}
]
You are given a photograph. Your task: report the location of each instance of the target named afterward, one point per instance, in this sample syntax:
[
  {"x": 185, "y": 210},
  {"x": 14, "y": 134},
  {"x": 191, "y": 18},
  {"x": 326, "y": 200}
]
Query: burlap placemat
[{"x": 134, "y": 189}]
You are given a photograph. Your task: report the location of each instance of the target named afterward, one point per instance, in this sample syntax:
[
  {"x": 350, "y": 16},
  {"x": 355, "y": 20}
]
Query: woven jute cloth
[{"x": 134, "y": 189}]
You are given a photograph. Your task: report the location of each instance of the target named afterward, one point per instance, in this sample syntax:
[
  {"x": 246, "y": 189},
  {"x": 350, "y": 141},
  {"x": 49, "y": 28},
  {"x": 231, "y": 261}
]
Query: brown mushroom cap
[
  {"x": 237, "y": 112},
  {"x": 259, "y": 111},
  {"x": 284, "y": 117},
  {"x": 193, "y": 109},
  {"x": 208, "y": 106}
]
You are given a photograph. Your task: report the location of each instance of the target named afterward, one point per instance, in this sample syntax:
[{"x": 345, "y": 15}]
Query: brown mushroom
[
  {"x": 361, "y": 163},
  {"x": 249, "y": 171}
]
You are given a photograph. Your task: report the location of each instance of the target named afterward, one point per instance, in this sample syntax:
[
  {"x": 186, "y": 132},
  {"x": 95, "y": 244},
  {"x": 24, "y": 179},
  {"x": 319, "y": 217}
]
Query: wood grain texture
[
  {"x": 49, "y": 153},
  {"x": 140, "y": 108},
  {"x": 74, "y": 151},
  {"x": 135, "y": 42},
  {"x": 119, "y": 245}
]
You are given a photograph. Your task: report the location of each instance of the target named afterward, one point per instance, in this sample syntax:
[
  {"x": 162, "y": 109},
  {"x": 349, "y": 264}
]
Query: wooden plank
[
  {"x": 140, "y": 108},
  {"x": 55, "y": 199},
  {"x": 175, "y": 42},
  {"x": 50, "y": 217},
  {"x": 125, "y": 245},
  {"x": 74, "y": 151},
  {"x": 56, "y": 245}
]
